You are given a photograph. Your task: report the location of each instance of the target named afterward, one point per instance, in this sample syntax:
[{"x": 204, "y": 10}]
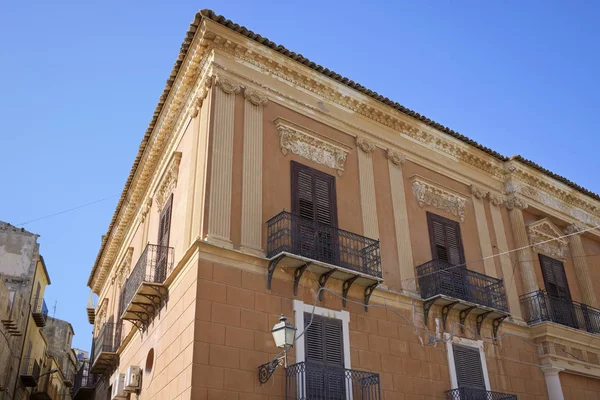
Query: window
[
  {"x": 557, "y": 287},
  {"x": 314, "y": 204},
  {"x": 445, "y": 239},
  {"x": 325, "y": 348},
  {"x": 164, "y": 229},
  {"x": 468, "y": 368}
]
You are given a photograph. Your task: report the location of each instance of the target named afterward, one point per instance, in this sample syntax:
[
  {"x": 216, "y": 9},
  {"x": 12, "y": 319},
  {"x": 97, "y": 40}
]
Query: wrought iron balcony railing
[
  {"x": 310, "y": 239},
  {"x": 30, "y": 372},
  {"x": 438, "y": 277},
  {"x": 84, "y": 380},
  {"x": 307, "y": 381},
  {"x": 39, "y": 311},
  {"x": 538, "y": 306},
  {"x": 477, "y": 394},
  {"x": 105, "y": 347}
]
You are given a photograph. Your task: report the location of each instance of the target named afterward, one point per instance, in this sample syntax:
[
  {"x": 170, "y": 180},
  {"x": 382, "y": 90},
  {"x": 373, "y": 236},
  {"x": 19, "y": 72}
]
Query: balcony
[
  {"x": 105, "y": 356},
  {"x": 40, "y": 312},
  {"x": 539, "y": 307},
  {"x": 144, "y": 292},
  {"x": 306, "y": 381},
  {"x": 476, "y": 394},
  {"x": 69, "y": 377},
  {"x": 458, "y": 288},
  {"x": 325, "y": 250},
  {"x": 46, "y": 390},
  {"x": 30, "y": 372},
  {"x": 85, "y": 382}
]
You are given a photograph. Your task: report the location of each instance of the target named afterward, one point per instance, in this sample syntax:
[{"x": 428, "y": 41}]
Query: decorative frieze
[
  {"x": 574, "y": 228},
  {"x": 395, "y": 157},
  {"x": 169, "y": 181},
  {"x": 365, "y": 145},
  {"x": 310, "y": 145},
  {"x": 545, "y": 238},
  {"x": 431, "y": 194}
]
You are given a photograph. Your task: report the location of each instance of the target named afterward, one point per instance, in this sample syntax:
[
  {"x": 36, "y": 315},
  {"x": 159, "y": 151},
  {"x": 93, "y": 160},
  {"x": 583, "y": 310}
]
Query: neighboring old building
[
  {"x": 60, "y": 336},
  {"x": 474, "y": 290}
]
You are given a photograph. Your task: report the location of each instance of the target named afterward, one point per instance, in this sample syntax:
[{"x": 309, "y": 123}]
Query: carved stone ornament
[
  {"x": 256, "y": 98},
  {"x": 169, "y": 180},
  {"x": 228, "y": 86},
  {"x": 146, "y": 208},
  {"x": 574, "y": 228},
  {"x": 478, "y": 192},
  {"x": 431, "y": 194},
  {"x": 515, "y": 202},
  {"x": 202, "y": 93},
  {"x": 365, "y": 145},
  {"x": 310, "y": 145},
  {"x": 545, "y": 237},
  {"x": 396, "y": 158},
  {"x": 496, "y": 200}
]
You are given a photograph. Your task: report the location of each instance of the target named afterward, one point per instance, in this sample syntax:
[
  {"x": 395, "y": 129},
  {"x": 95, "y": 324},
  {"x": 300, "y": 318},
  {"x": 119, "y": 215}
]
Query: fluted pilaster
[
  {"x": 485, "y": 242},
  {"x": 219, "y": 215},
  {"x": 252, "y": 173},
  {"x": 367, "y": 188},
  {"x": 515, "y": 207},
  {"x": 588, "y": 296}
]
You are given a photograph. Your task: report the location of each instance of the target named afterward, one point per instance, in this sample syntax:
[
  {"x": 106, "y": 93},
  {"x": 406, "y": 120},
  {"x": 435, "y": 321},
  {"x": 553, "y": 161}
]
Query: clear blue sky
[{"x": 80, "y": 81}]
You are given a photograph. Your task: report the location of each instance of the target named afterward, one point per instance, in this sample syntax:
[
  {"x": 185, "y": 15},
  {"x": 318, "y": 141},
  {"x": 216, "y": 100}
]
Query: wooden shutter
[
  {"x": 555, "y": 278},
  {"x": 164, "y": 227},
  {"x": 469, "y": 371},
  {"x": 445, "y": 239},
  {"x": 313, "y": 194}
]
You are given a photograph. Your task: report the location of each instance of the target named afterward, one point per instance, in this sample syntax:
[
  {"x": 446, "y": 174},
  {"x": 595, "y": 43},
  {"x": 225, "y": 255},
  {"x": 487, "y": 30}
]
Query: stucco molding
[
  {"x": 396, "y": 158},
  {"x": 431, "y": 194},
  {"x": 515, "y": 202},
  {"x": 478, "y": 192},
  {"x": 540, "y": 232},
  {"x": 496, "y": 200},
  {"x": 227, "y": 86},
  {"x": 168, "y": 181},
  {"x": 200, "y": 97},
  {"x": 255, "y": 97},
  {"x": 305, "y": 143},
  {"x": 574, "y": 228},
  {"x": 146, "y": 207},
  {"x": 365, "y": 145}
]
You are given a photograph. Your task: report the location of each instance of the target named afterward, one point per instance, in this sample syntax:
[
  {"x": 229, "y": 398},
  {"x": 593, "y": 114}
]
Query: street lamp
[{"x": 284, "y": 335}]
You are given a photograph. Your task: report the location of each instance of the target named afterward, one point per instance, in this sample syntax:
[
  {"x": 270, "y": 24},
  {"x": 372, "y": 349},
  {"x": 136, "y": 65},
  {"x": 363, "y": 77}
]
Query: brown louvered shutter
[
  {"x": 445, "y": 239},
  {"x": 164, "y": 230},
  {"x": 557, "y": 287},
  {"x": 469, "y": 371},
  {"x": 324, "y": 357}
]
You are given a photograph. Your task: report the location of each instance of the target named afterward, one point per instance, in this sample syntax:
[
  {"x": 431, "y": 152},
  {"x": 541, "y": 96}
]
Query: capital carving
[
  {"x": 396, "y": 158},
  {"x": 227, "y": 86},
  {"x": 574, "y": 228},
  {"x": 365, "y": 145},
  {"x": 202, "y": 93},
  {"x": 495, "y": 200},
  {"x": 515, "y": 202},
  {"x": 256, "y": 98},
  {"x": 146, "y": 208},
  {"x": 478, "y": 192},
  {"x": 169, "y": 180}
]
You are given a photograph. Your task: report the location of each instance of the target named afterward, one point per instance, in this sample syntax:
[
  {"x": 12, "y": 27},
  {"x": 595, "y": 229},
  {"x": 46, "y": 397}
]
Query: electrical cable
[{"x": 67, "y": 210}]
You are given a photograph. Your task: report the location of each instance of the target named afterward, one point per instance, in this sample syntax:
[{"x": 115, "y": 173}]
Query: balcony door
[
  {"x": 325, "y": 373},
  {"x": 559, "y": 295},
  {"x": 314, "y": 205},
  {"x": 447, "y": 249},
  {"x": 164, "y": 229},
  {"x": 469, "y": 373}
]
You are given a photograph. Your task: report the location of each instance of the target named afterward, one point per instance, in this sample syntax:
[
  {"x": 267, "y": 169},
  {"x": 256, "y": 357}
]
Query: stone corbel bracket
[
  {"x": 169, "y": 180},
  {"x": 305, "y": 143},
  {"x": 545, "y": 237},
  {"x": 431, "y": 194}
]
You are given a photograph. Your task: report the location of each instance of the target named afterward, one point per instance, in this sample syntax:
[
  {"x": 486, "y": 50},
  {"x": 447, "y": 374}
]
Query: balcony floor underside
[
  {"x": 104, "y": 362},
  {"x": 323, "y": 271},
  {"x": 465, "y": 309},
  {"x": 84, "y": 393},
  {"x": 145, "y": 304}
]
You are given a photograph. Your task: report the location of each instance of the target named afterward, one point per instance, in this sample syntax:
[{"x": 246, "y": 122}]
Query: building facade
[{"x": 413, "y": 262}]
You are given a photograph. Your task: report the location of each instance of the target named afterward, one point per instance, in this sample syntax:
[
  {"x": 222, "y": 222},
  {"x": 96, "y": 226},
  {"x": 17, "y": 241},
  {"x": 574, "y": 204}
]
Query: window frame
[
  {"x": 300, "y": 308},
  {"x": 478, "y": 344}
]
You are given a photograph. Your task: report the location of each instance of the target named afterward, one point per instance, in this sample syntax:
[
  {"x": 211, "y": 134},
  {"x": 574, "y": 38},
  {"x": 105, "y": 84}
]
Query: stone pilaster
[
  {"x": 553, "y": 383},
  {"x": 252, "y": 173},
  {"x": 516, "y": 206},
  {"x": 485, "y": 243},
  {"x": 510, "y": 284},
  {"x": 588, "y": 296},
  {"x": 367, "y": 188},
  {"x": 407, "y": 268},
  {"x": 219, "y": 214}
]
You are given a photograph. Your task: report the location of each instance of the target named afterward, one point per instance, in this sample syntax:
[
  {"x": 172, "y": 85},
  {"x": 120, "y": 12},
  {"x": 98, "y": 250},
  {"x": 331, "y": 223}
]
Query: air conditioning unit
[
  {"x": 118, "y": 387},
  {"x": 133, "y": 378}
]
